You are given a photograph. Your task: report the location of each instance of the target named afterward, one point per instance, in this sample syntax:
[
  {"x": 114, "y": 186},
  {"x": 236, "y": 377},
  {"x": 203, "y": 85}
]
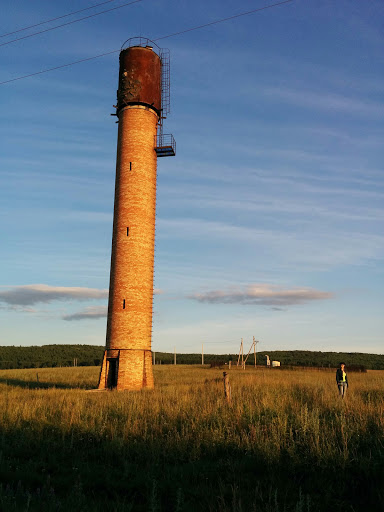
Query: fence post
[{"x": 227, "y": 387}]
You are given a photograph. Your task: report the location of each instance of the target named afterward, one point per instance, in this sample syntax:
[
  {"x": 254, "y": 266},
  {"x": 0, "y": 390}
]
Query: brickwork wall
[
  {"x": 129, "y": 326},
  {"x": 103, "y": 371}
]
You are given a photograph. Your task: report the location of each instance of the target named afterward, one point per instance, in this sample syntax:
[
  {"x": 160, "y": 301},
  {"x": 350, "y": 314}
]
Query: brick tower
[{"x": 142, "y": 101}]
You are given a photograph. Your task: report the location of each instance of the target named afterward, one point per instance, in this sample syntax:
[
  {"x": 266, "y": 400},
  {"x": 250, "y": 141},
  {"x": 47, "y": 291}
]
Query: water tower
[{"x": 142, "y": 105}]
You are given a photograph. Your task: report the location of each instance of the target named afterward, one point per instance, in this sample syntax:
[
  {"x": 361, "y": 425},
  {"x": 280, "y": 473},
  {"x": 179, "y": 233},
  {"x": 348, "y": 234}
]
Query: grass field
[{"x": 285, "y": 443}]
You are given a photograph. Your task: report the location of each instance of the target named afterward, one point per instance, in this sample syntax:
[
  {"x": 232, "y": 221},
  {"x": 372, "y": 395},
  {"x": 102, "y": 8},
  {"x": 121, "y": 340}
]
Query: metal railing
[{"x": 165, "y": 145}]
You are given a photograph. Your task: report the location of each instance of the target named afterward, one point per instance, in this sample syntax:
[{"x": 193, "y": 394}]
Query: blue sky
[{"x": 269, "y": 218}]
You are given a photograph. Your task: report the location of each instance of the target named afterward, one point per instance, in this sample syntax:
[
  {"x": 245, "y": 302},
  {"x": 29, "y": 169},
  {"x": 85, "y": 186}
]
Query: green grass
[{"x": 286, "y": 443}]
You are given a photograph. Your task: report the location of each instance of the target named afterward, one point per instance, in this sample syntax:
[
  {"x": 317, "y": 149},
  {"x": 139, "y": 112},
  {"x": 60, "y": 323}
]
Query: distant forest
[{"x": 49, "y": 356}]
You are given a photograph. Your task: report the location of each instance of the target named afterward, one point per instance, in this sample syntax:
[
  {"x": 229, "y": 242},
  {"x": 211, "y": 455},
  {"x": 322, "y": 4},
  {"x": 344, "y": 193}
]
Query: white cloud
[
  {"x": 90, "y": 313},
  {"x": 262, "y": 295},
  {"x": 34, "y": 293}
]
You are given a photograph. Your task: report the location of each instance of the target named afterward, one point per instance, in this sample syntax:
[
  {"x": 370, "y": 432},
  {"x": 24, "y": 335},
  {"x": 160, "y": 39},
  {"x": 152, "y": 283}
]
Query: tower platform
[{"x": 165, "y": 145}]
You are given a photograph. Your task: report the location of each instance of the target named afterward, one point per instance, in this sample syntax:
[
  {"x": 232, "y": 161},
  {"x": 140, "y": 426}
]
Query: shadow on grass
[
  {"x": 46, "y": 467},
  {"x": 375, "y": 397},
  {"x": 35, "y": 384}
]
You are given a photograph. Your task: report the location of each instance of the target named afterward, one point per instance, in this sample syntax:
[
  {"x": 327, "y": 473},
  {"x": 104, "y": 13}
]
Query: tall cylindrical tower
[{"x": 127, "y": 362}]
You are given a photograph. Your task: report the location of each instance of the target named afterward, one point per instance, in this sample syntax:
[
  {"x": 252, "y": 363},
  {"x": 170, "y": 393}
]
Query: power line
[
  {"x": 55, "y": 19},
  {"x": 224, "y": 19},
  {"x": 58, "y": 67},
  {"x": 157, "y": 39},
  {"x": 69, "y": 23}
]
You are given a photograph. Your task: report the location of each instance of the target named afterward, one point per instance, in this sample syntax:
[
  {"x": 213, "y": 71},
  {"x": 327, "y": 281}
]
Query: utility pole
[
  {"x": 241, "y": 353},
  {"x": 249, "y": 351},
  {"x": 255, "y": 342},
  {"x": 202, "y": 354}
]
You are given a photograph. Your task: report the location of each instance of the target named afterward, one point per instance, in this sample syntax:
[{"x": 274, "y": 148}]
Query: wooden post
[{"x": 227, "y": 387}]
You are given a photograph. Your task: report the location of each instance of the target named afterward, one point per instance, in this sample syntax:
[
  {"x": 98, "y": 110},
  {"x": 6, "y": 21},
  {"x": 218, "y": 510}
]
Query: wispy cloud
[
  {"x": 262, "y": 295},
  {"x": 302, "y": 249},
  {"x": 95, "y": 312},
  {"x": 41, "y": 293},
  {"x": 24, "y": 309},
  {"x": 34, "y": 293},
  {"x": 200, "y": 228},
  {"x": 86, "y": 216},
  {"x": 328, "y": 101},
  {"x": 90, "y": 313}
]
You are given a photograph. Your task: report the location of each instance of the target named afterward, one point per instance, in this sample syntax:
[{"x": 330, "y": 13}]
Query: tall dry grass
[{"x": 287, "y": 442}]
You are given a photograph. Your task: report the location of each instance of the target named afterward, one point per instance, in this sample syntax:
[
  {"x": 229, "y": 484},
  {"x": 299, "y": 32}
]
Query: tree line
[
  {"x": 286, "y": 357},
  {"x": 48, "y": 356}
]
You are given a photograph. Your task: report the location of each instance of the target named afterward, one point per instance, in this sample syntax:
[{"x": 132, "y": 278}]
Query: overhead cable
[
  {"x": 224, "y": 19},
  {"x": 58, "y": 67},
  {"x": 55, "y": 19},
  {"x": 70, "y": 22},
  {"x": 157, "y": 39}
]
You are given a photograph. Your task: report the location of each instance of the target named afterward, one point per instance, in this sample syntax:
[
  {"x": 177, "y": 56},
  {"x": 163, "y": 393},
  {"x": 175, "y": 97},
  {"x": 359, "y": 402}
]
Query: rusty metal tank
[{"x": 139, "y": 78}]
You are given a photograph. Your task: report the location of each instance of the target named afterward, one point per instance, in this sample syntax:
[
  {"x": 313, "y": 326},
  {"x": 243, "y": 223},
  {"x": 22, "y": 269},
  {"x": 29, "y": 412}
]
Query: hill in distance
[{"x": 48, "y": 356}]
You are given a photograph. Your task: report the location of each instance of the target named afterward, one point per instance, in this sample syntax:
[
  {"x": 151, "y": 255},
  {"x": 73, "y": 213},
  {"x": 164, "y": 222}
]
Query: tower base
[{"x": 126, "y": 369}]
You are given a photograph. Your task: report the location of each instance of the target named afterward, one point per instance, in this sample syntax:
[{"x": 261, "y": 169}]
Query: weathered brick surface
[
  {"x": 103, "y": 372},
  {"x": 131, "y": 283}
]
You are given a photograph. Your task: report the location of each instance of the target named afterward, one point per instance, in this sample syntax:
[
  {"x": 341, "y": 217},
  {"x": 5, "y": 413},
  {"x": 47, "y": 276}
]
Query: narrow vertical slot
[
  {"x": 127, "y": 231},
  {"x": 130, "y": 166},
  {"x": 123, "y": 303}
]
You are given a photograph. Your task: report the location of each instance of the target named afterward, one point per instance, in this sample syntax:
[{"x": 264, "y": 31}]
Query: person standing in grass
[{"x": 342, "y": 380}]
